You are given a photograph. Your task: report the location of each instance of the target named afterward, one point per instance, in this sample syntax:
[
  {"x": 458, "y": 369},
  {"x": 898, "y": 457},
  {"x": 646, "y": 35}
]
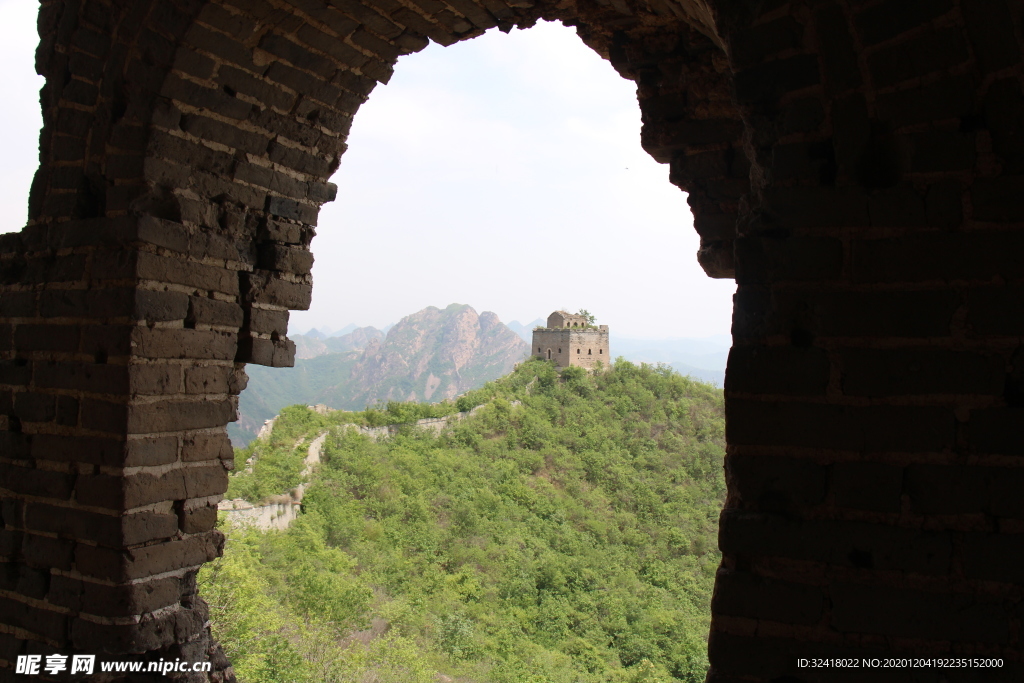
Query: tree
[{"x": 587, "y": 315}]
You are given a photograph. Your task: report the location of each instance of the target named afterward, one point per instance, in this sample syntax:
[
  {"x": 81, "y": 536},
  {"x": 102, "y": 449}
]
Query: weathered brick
[
  {"x": 952, "y": 97},
  {"x": 153, "y": 267},
  {"x": 46, "y": 337},
  {"x": 272, "y": 353},
  {"x": 997, "y": 430},
  {"x": 95, "y": 450},
  {"x": 776, "y": 484},
  {"x": 890, "y": 18},
  {"x": 921, "y": 370},
  {"x": 170, "y": 416},
  {"x": 123, "y": 565},
  {"x": 997, "y": 199},
  {"x": 36, "y": 482},
  {"x": 996, "y": 310},
  {"x": 777, "y": 370},
  {"x": 923, "y": 54},
  {"x": 767, "y": 82},
  {"x": 45, "y": 552},
  {"x": 848, "y": 544},
  {"x": 266, "y": 321},
  {"x": 148, "y": 452},
  {"x": 114, "y": 601},
  {"x": 207, "y": 311},
  {"x": 108, "y": 530},
  {"x": 150, "y": 379},
  {"x": 207, "y": 379},
  {"x": 867, "y": 486},
  {"x": 104, "y": 416},
  {"x": 206, "y": 446},
  {"x": 46, "y": 623},
  {"x": 908, "y": 429},
  {"x": 746, "y": 595},
  {"x": 938, "y": 616},
  {"x": 225, "y": 134},
  {"x": 287, "y": 259},
  {"x": 183, "y": 343},
  {"x": 289, "y": 208},
  {"x": 990, "y": 28}
]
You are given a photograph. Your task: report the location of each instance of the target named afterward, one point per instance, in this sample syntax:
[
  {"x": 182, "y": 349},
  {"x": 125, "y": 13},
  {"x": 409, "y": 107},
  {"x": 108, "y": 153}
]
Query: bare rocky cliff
[{"x": 431, "y": 355}]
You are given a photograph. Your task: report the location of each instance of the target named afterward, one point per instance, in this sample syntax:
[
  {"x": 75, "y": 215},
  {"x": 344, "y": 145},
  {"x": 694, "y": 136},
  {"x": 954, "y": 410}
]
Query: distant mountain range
[{"x": 430, "y": 356}]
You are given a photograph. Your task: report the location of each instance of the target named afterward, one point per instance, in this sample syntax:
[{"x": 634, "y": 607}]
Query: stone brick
[
  {"x": 183, "y": 343},
  {"x": 892, "y": 313},
  {"x": 838, "y": 55},
  {"x": 272, "y": 353},
  {"x": 747, "y": 595},
  {"x": 927, "y": 52},
  {"x": 108, "y": 530},
  {"x": 161, "y": 269},
  {"x": 289, "y": 208},
  {"x": 894, "y": 612},
  {"x": 908, "y": 429},
  {"x": 45, "y": 552},
  {"x": 154, "y": 379},
  {"x": 217, "y": 131},
  {"x": 207, "y": 379},
  {"x": 170, "y": 416},
  {"x": 200, "y": 447},
  {"x": 124, "y": 565},
  {"x": 238, "y": 81},
  {"x": 888, "y": 19},
  {"x": 842, "y": 543},
  {"x": 996, "y": 310},
  {"x": 148, "y": 452},
  {"x": 952, "y": 97},
  {"x": 104, "y": 416},
  {"x": 114, "y": 601},
  {"x": 36, "y": 482},
  {"x": 150, "y": 634},
  {"x": 776, "y": 484},
  {"x": 777, "y": 370},
  {"x": 867, "y": 486},
  {"x": 263, "y": 287},
  {"x": 287, "y": 259},
  {"x": 990, "y": 28},
  {"x": 297, "y": 55},
  {"x": 997, "y": 430},
  {"x": 46, "y": 337},
  {"x": 920, "y": 370},
  {"x": 767, "y": 82},
  {"x": 87, "y": 449},
  {"x": 755, "y": 44},
  {"x": 995, "y": 199},
  {"x": 91, "y": 377},
  {"x": 32, "y": 619}
]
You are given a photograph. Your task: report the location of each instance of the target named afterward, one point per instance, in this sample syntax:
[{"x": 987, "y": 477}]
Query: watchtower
[{"x": 569, "y": 339}]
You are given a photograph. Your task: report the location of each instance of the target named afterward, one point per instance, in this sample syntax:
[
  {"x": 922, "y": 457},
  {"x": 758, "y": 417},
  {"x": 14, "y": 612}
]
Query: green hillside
[{"x": 571, "y": 538}]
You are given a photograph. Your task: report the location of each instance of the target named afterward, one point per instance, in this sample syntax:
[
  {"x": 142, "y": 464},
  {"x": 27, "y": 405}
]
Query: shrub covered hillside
[{"x": 571, "y": 538}]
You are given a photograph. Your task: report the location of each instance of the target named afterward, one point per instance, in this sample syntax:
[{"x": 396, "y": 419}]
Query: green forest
[{"x": 563, "y": 533}]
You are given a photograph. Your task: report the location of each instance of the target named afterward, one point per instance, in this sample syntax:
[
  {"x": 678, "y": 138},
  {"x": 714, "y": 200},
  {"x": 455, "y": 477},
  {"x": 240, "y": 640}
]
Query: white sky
[{"x": 504, "y": 172}]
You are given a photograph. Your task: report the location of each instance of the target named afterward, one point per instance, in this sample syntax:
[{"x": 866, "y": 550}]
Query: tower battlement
[{"x": 569, "y": 340}]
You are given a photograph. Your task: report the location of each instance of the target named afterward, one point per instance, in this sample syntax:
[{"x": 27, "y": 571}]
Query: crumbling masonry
[{"x": 856, "y": 165}]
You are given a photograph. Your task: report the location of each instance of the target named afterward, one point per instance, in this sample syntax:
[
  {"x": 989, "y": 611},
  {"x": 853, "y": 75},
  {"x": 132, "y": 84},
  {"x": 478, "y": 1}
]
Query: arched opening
[{"x": 187, "y": 149}]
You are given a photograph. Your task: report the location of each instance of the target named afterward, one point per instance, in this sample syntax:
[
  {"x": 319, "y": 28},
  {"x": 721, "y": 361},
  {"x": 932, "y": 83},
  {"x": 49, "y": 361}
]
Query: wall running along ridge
[{"x": 858, "y": 167}]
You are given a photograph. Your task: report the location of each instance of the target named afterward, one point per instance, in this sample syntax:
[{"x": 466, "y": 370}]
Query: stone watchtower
[{"x": 569, "y": 340}]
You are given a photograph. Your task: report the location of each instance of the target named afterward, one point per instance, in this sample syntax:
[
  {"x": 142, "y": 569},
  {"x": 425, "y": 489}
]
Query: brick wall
[
  {"x": 584, "y": 348},
  {"x": 855, "y": 166}
]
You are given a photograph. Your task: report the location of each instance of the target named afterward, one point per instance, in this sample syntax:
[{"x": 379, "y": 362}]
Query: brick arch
[
  {"x": 855, "y": 165},
  {"x": 186, "y": 150}
]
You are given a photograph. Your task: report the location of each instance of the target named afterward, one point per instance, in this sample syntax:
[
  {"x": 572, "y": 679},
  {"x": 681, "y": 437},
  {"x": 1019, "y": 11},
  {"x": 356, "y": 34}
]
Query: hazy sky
[{"x": 504, "y": 172}]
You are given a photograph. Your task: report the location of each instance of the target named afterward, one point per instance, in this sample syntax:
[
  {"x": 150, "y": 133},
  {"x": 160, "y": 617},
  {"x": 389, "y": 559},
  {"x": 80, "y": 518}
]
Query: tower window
[
  {"x": 538, "y": 349},
  {"x": 600, "y": 351},
  {"x": 590, "y": 352},
  {"x": 559, "y": 350},
  {"x": 578, "y": 350}
]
